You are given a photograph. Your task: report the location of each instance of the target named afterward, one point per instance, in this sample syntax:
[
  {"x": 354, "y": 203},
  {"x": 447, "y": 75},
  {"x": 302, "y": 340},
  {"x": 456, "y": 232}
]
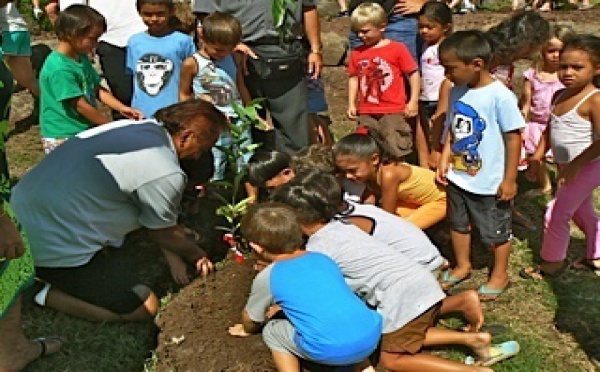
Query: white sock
[{"x": 40, "y": 297}]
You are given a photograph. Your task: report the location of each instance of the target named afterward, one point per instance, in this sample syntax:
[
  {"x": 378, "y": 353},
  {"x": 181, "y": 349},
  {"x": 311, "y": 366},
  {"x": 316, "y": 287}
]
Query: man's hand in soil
[
  {"x": 178, "y": 268},
  {"x": 406, "y": 7},
  {"x": 238, "y": 331}
]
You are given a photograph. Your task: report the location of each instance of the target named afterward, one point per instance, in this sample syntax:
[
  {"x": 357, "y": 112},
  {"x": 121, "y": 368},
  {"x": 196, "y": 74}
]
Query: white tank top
[{"x": 570, "y": 134}]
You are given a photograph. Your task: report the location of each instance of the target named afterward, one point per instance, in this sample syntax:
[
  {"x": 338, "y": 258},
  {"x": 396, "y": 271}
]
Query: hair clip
[{"x": 362, "y": 130}]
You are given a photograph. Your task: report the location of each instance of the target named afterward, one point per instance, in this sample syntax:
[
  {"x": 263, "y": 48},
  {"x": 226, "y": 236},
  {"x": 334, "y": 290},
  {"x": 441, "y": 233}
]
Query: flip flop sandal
[
  {"x": 587, "y": 264},
  {"x": 490, "y": 293},
  {"x": 448, "y": 281},
  {"x": 498, "y": 353},
  {"x": 537, "y": 273},
  {"x": 43, "y": 341}
]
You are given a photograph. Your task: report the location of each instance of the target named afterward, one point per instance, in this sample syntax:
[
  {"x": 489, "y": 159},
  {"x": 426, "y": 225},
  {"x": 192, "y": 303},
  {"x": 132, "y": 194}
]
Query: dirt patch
[{"x": 194, "y": 326}]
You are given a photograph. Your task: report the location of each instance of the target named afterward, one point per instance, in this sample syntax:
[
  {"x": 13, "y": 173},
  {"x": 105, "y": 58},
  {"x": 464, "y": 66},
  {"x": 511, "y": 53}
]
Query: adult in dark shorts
[{"x": 78, "y": 204}]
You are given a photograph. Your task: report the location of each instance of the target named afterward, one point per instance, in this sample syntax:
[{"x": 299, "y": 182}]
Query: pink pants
[{"x": 573, "y": 201}]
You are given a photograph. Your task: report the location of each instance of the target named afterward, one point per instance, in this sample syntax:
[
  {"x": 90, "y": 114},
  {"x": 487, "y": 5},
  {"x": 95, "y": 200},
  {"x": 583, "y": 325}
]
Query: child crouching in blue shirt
[{"x": 325, "y": 322}]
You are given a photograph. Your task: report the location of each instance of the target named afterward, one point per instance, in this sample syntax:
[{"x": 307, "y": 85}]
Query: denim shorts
[
  {"x": 400, "y": 28},
  {"x": 490, "y": 216}
]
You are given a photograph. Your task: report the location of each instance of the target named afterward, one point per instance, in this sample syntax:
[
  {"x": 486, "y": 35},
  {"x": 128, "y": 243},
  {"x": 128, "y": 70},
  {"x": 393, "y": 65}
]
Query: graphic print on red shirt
[{"x": 380, "y": 73}]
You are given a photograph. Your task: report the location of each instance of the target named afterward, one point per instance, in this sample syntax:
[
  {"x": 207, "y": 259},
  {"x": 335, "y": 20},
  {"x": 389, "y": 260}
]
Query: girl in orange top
[{"x": 406, "y": 190}]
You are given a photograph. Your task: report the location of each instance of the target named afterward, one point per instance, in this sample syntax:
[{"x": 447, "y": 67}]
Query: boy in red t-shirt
[{"x": 377, "y": 72}]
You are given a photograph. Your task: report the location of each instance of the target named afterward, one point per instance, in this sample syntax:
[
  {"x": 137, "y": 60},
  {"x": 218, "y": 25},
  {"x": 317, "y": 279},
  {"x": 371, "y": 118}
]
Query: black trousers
[
  {"x": 113, "y": 60},
  {"x": 285, "y": 98}
]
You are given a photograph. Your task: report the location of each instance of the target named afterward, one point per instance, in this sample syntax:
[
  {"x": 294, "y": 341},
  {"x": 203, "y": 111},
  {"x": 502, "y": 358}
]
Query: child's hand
[
  {"x": 568, "y": 173},
  {"x": 352, "y": 112},
  {"x": 434, "y": 159},
  {"x": 131, "y": 113},
  {"x": 411, "y": 110},
  {"x": 507, "y": 190},
  {"x": 265, "y": 125},
  {"x": 238, "y": 331},
  {"x": 441, "y": 172}
]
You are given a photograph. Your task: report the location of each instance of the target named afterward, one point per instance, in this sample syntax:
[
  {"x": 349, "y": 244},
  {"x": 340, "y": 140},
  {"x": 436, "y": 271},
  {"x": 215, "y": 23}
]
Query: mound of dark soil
[{"x": 194, "y": 326}]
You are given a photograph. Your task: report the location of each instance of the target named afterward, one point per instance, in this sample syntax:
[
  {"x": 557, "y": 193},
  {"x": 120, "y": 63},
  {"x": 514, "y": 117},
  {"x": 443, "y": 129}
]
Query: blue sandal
[
  {"x": 498, "y": 353},
  {"x": 447, "y": 281}
]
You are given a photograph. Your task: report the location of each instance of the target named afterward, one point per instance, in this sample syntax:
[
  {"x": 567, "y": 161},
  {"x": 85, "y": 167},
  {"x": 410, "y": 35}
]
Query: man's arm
[
  {"x": 312, "y": 30},
  {"x": 174, "y": 239}
]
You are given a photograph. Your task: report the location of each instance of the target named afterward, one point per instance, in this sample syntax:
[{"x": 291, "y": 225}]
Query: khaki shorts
[
  {"x": 410, "y": 338},
  {"x": 394, "y": 129}
]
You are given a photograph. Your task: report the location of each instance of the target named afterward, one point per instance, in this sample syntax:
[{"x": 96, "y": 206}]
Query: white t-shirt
[
  {"x": 399, "y": 234},
  {"x": 432, "y": 74},
  {"x": 121, "y": 16},
  {"x": 477, "y": 119},
  {"x": 97, "y": 187}
]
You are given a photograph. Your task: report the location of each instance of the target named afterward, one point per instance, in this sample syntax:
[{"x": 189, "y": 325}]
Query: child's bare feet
[
  {"x": 480, "y": 343},
  {"x": 471, "y": 310}
]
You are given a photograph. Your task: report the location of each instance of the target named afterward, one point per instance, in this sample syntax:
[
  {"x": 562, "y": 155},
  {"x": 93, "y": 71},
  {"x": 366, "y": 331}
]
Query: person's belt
[{"x": 272, "y": 40}]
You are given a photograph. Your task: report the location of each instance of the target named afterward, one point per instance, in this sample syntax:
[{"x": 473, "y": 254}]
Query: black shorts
[
  {"x": 106, "y": 281},
  {"x": 491, "y": 217}
]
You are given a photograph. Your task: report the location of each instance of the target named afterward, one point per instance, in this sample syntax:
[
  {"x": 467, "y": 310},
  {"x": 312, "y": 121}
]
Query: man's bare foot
[{"x": 30, "y": 351}]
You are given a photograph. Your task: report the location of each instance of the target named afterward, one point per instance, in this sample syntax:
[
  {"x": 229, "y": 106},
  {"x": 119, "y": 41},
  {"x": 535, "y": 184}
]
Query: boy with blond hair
[{"x": 377, "y": 72}]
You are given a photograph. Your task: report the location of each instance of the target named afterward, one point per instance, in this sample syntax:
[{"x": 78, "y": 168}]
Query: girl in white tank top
[{"x": 574, "y": 135}]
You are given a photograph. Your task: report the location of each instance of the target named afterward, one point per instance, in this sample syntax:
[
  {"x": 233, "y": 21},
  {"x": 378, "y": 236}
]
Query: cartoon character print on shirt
[
  {"x": 220, "y": 88},
  {"x": 376, "y": 77},
  {"x": 467, "y": 128},
  {"x": 153, "y": 72}
]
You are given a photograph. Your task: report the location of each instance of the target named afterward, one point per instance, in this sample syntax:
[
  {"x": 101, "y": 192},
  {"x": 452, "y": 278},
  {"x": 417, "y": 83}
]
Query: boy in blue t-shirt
[
  {"x": 480, "y": 157},
  {"x": 324, "y": 321},
  {"x": 154, "y": 58}
]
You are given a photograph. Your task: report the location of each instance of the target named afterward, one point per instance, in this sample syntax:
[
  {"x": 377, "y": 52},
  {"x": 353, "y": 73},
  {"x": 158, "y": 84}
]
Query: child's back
[
  {"x": 400, "y": 288},
  {"x": 398, "y": 233},
  {"x": 332, "y": 325}
]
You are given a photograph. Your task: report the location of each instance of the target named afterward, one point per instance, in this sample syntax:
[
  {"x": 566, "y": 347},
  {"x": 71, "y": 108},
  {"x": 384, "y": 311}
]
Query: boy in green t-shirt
[{"x": 69, "y": 84}]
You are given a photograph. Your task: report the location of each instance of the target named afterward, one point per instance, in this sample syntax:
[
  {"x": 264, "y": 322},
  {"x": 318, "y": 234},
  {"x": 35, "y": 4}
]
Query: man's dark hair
[
  {"x": 264, "y": 165},
  {"x": 468, "y": 45},
  {"x": 196, "y": 114},
  {"x": 274, "y": 226}
]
